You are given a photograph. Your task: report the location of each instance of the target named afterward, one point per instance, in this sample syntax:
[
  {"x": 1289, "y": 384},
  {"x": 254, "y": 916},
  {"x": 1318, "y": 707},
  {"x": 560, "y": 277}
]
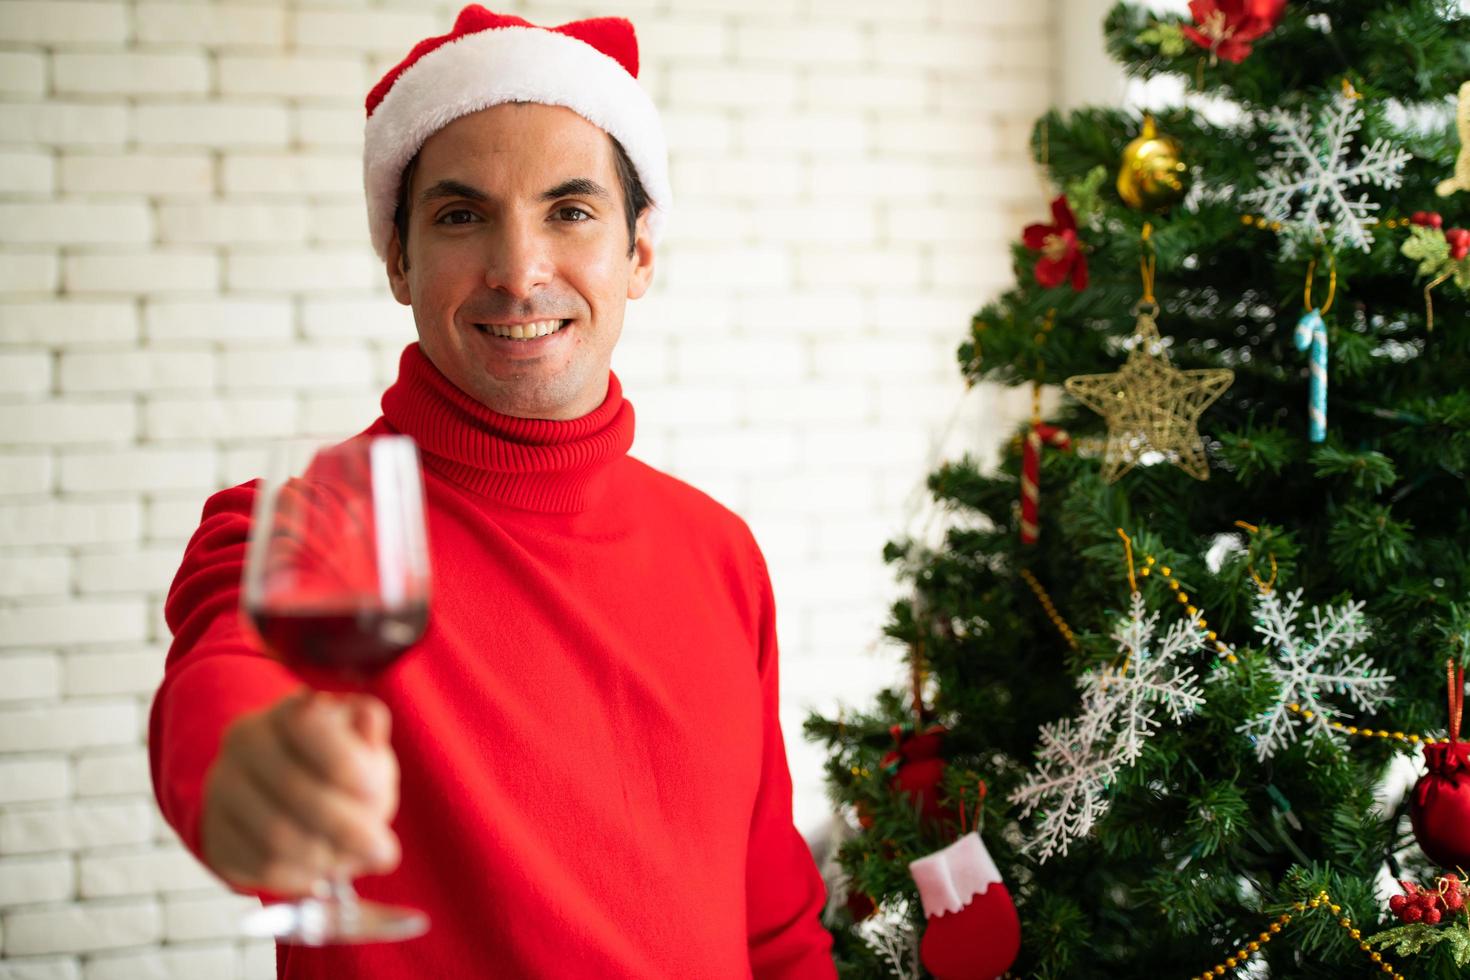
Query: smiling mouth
[{"x": 522, "y": 331}]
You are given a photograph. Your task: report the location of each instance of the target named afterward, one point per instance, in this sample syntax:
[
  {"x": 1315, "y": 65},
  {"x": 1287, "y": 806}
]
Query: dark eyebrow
[
  {"x": 452, "y": 188},
  {"x": 576, "y": 187}
]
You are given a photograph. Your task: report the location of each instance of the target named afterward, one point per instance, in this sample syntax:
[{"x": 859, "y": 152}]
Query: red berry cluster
[
  {"x": 1459, "y": 242},
  {"x": 1429, "y": 904},
  {"x": 1457, "y": 238}
]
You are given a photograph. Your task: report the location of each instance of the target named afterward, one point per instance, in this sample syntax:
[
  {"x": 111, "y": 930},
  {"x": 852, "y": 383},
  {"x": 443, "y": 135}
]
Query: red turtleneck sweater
[{"x": 593, "y": 777}]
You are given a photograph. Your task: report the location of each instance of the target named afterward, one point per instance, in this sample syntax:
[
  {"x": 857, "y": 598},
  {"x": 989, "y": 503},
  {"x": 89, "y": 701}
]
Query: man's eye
[
  {"x": 444, "y": 218},
  {"x": 573, "y": 214}
]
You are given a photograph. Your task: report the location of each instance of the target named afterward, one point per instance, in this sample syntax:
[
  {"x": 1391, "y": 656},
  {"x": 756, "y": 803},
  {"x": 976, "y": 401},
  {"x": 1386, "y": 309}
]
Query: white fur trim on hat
[{"x": 509, "y": 64}]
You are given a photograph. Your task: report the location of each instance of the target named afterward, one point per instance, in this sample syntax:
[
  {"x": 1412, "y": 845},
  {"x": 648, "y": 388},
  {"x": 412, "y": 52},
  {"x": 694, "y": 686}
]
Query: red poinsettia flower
[
  {"x": 1227, "y": 27},
  {"x": 1060, "y": 248}
]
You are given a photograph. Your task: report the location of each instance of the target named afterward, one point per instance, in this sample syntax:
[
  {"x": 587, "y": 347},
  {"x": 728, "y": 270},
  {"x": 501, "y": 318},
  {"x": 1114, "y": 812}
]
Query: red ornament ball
[
  {"x": 916, "y": 769},
  {"x": 860, "y": 906},
  {"x": 1440, "y": 807}
]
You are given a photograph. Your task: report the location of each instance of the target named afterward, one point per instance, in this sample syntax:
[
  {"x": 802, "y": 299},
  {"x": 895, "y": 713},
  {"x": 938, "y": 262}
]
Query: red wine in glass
[
  {"x": 354, "y": 644},
  {"x": 336, "y": 586}
]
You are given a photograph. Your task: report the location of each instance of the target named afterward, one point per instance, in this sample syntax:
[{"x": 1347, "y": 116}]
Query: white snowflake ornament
[
  {"x": 891, "y": 933},
  {"x": 1069, "y": 784},
  {"x": 1308, "y": 667},
  {"x": 1309, "y": 186},
  {"x": 1123, "y": 702},
  {"x": 1079, "y": 757}
]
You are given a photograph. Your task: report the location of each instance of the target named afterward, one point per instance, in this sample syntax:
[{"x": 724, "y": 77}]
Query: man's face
[{"x": 517, "y": 219}]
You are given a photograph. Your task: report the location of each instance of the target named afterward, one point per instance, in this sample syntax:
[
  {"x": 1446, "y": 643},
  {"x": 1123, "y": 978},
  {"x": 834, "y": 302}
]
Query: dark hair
[{"x": 635, "y": 197}]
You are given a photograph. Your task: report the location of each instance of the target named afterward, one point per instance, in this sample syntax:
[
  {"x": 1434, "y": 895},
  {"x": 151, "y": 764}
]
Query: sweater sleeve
[
  {"x": 214, "y": 672},
  {"x": 784, "y": 890}
]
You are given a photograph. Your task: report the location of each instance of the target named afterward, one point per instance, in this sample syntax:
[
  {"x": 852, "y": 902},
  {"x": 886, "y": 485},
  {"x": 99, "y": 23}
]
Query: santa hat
[{"x": 589, "y": 66}]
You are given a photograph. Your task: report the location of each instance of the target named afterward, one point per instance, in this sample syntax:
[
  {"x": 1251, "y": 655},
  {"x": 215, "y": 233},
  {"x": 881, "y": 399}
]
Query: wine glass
[{"x": 336, "y": 585}]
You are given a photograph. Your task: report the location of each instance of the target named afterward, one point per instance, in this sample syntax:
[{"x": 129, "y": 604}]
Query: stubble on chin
[{"x": 532, "y": 397}]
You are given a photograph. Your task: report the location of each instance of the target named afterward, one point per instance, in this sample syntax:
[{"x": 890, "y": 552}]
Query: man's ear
[
  {"x": 640, "y": 262},
  {"x": 397, "y": 279}
]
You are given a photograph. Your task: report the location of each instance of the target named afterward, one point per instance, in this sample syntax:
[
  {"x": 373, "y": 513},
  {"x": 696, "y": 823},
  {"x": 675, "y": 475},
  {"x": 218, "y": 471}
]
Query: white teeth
[{"x": 526, "y": 331}]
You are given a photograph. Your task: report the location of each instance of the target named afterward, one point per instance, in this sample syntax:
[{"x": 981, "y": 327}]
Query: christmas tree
[{"x": 1167, "y": 653}]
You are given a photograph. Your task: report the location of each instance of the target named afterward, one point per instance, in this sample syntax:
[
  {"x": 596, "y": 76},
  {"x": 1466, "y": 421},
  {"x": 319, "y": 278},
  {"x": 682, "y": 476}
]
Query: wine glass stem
[{"x": 344, "y": 896}]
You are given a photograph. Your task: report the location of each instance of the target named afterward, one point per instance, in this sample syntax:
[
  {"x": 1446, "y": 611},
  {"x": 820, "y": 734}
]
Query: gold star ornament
[
  {"x": 1461, "y": 180},
  {"x": 1151, "y": 406}
]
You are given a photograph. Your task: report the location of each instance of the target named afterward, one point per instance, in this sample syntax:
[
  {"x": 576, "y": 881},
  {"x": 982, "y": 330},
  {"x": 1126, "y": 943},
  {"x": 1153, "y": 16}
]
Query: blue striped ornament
[{"x": 1311, "y": 332}]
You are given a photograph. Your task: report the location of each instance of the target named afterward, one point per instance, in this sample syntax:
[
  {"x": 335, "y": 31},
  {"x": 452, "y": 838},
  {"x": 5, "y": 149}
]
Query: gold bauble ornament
[{"x": 1153, "y": 177}]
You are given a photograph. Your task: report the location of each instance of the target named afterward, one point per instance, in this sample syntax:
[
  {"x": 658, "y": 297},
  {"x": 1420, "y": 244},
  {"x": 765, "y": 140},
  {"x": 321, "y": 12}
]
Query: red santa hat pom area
[
  {"x": 589, "y": 66},
  {"x": 973, "y": 932}
]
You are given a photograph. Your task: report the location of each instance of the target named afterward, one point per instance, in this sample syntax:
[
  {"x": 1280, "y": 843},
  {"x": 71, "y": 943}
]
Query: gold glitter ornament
[
  {"x": 1461, "y": 180},
  {"x": 1151, "y": 406},
  {"x": 1152, "y": 177}
]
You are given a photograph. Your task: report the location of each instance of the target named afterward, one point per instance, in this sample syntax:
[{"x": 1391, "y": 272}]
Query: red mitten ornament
[
  {"x": 973, "y": 931},
  {"x": 1440, "y": 808},
  {"x": 916, "y": 770}
]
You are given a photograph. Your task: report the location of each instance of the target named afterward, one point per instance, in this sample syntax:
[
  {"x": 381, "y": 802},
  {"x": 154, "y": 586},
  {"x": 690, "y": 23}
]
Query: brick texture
[{"x": 185, "y": 275}]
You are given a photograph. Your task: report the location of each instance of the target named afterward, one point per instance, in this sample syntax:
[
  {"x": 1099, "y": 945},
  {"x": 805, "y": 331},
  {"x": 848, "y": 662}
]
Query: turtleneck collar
[{"x": 532, "y": 464}]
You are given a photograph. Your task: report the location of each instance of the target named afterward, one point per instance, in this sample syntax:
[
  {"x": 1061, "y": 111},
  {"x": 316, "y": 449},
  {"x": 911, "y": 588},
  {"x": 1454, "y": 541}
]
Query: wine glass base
[{"x": 328, "y": 922}]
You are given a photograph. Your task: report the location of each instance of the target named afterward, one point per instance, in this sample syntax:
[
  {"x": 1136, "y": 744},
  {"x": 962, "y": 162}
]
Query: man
[{"x": 585, "y": 774}]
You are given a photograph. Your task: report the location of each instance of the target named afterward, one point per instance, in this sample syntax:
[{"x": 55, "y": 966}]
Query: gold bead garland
[
  {"x": 1196, "y": 616},
  {"x": 1251, "y": 948},
  {"x": 1409, "y": 738},
  {"x": 1051, "y": 609},
  {"x": 1259, "y": 221}
]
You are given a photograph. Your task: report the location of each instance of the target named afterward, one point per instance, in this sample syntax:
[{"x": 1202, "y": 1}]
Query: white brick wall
[{"x": 184, "y": 274}]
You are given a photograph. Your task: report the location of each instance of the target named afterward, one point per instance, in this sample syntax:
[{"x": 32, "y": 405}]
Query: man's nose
[{"x": 519, "y": 259}]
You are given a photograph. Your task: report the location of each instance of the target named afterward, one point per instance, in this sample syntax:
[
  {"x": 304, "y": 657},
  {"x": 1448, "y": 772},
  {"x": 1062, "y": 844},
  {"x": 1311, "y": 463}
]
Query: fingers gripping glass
[{"x": 336, "y": 585}]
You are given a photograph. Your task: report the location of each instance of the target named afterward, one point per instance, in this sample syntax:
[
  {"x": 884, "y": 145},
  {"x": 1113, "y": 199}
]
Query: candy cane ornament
[
  {"x": 1311, "y": 332},
  {"x": 1040, "y": 434}
]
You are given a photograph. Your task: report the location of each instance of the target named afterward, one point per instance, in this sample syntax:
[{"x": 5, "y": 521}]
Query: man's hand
[{"x": 300, "y": 789}]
